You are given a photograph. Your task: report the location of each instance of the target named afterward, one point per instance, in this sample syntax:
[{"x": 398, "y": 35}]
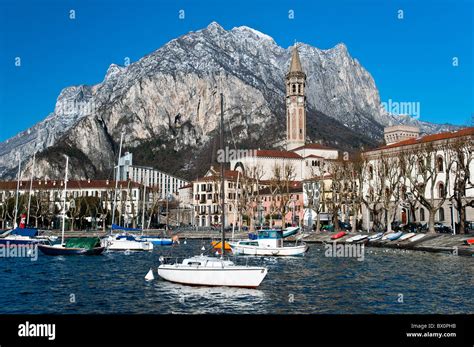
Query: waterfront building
[
  {"x": 49, "y": 195},
  {"x": 206, "y": 198},
  {"x": 438, "y": 169},
  {"x": 166, "y": 183}
]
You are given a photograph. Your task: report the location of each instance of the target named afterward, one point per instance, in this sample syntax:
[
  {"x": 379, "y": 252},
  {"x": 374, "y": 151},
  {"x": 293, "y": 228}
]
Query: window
[
  {"x": 441, "y": 192},
  {"x": 371, "y": 172},
  {"x": 294, "y": 88},
  {"x": 422, "y": 214},
  {"x": 299, "y": 88},
  {"x": 439, "y": 164},
  {"x": 441, "y": 214}
]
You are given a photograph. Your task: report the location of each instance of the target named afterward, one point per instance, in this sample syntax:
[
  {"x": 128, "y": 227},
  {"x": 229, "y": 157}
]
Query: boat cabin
[
  {"x": 206, "y": 262},
  {"x": 270, "y": 238}
]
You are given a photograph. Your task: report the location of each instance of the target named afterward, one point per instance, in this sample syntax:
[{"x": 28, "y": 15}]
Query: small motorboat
[
  {"x": 126, "y": 242},
  {"x": 386, "y": 237},
  {"x": 338, "y": 235},
  {"x": 375, "y": 237},
  {"x": 290, "y": 231},
  {"x": 395, "y": 236},
  {"x": 269, "y": 242},
  {"x": 157, "y": 241},
  {"x": 416, "y": 237},
  {"x": 406, "y": 236},
  {"x": 469, "y": 242},
  {"x": 209, "y": 271},
  {"x": 357, "y": 238}
]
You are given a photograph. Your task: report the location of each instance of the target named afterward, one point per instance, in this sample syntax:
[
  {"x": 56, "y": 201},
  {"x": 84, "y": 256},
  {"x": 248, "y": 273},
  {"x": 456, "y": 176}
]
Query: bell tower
[{"x": 295, "y": 103}]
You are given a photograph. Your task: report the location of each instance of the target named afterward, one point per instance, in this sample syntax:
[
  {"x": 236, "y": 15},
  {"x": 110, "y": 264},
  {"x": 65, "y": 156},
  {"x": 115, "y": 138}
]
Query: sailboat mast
[
  {"x": 17, "y": 190},
  {"x": 222, "y": 180},
  {"x": 116, "y": 180},
  {"x": 144, "y": 203},
  {"x": 64, "y": 202},
  {"x": 31, "y": 187}
]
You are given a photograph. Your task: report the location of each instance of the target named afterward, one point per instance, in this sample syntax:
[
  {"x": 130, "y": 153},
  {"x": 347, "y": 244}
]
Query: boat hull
[
  {"x": 55, "y": 251},
  {"x": 416, "y": 237},
  {"x": 129, "y": 245},
  {"x": 338, "y": 235},
  {"x": 407, "y": 236},
  {"x": 235, "y": 276},
  {"x": 269, "y": 251},
  {"x": 157, "y": 241}
]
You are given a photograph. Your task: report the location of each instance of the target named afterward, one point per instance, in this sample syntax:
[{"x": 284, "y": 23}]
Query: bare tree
[
  {"x": 461, "y": 153},
  {"x": 428, "y": 165}
]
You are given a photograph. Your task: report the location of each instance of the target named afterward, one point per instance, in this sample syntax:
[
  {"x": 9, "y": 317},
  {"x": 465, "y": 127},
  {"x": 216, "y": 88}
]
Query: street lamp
[
  {"x": 453, "y": 225},
  {"x": 368, "y": 213}
]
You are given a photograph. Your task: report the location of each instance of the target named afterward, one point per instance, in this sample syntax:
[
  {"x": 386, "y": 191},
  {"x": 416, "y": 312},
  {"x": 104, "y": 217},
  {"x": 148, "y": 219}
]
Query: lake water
[{"x": 386, "y": 281}]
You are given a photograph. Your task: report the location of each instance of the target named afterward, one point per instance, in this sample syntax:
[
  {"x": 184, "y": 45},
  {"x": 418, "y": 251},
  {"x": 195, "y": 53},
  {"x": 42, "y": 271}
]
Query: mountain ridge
[{"x": 170, "y": 93}]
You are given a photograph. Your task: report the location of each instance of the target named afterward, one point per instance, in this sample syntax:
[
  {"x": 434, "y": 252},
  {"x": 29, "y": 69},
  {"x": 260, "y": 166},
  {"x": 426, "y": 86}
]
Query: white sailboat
[
  {"x": 209, "y": 271},
  {"x": 123, "y": 241}
]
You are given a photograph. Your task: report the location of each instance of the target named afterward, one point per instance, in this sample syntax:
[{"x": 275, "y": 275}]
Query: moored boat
[
  {"x": 126, "y": 242},
  {"x": 290, "y": 231},
  {"x": 407, "y": 236},
  {"x": 270, "y": 243},
  {"x": 375, "y": 237},
  {"x": 19, "y": 236},
  {"x": 357, "y": 238},
  {"x": 210, "y": 271},
  {"x": 157, "y": 241},
  {"x": 469, "y": 242},
  {"x": 74, "y": 246},
  {"x": 416, "y": 237},
  {"x": 395, "y": 236},
  {"x": 338, "y": 235}
]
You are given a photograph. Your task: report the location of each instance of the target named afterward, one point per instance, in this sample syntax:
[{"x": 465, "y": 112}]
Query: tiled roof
[
  {"x": 272, "y": 153},
  {"x": 314, "y": 146},
  {"x": 228, "y": 174},
  {"x": 429, "y": 138},
  {"x": 314, "y": 156}
]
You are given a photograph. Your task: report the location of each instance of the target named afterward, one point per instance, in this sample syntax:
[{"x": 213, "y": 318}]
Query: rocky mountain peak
[{"x": 167, "y": 104}]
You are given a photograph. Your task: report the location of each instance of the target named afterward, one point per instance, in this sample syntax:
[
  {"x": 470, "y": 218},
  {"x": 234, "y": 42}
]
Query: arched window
[
  {"x": 294, "y": 88},
  {"x": 299, "y": 88},
  {"x": 421, "y": 165},
  {"x": 441, "y": 192},
  {"x": 422, "y": 214},
  {"x": 441, "y": 214},
  {"x": 371, "y": 194},
  {"x": 439, "y": 164},
  {"x": 371, "y": 172}
]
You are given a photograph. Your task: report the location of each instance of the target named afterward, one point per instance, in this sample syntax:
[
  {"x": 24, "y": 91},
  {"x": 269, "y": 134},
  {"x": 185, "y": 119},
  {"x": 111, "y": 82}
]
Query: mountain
[{"x": 167, "y": 105}]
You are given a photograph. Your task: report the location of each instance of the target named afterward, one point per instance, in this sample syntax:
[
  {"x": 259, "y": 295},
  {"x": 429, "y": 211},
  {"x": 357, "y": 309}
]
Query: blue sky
[{"x": 411, "y": 59}]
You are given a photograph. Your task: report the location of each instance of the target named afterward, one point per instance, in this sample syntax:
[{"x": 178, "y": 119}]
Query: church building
[{"x": 306, "y": 158}]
